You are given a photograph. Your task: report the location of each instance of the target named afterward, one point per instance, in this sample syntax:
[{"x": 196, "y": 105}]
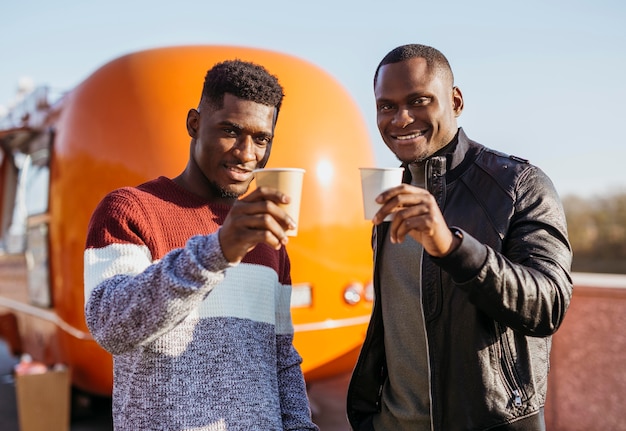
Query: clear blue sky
[{"x": 543, "y": 80}]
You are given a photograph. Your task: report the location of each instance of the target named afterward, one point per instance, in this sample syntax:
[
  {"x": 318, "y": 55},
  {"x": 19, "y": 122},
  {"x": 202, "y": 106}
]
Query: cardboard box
[{"x": 43, "y": 401}]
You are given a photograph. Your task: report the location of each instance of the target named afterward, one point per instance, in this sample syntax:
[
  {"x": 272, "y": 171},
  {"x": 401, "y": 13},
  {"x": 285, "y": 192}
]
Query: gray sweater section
[{"x": 210, "y": 349}]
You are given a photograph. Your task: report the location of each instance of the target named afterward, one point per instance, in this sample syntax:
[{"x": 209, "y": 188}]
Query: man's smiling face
[
  {"x": 416, "y": 109},
  {"x": 228, "y": 144}
]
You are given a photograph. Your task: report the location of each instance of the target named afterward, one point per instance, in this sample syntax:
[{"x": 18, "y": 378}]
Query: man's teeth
[{"x": 411, "y": 136}]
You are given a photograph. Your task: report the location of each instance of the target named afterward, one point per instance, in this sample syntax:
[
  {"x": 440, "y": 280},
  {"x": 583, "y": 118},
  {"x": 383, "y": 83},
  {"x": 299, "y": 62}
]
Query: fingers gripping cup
[
  {"x": 287, "y": 181},
  {"x": 374, "y": 181}
]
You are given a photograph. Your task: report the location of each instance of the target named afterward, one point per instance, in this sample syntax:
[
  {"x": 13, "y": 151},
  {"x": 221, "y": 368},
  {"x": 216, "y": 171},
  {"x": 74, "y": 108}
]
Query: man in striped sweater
[{"x": 188, "y": 285}]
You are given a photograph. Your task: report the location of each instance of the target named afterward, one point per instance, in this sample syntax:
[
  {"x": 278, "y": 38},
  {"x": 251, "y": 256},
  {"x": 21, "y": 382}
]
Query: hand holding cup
[
  {"x": 287, "y": 181},
  {"x": 374, "y": 181}
]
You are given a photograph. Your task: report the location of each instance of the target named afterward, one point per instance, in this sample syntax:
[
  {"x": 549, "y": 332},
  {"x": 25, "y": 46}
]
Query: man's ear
[
  {"x": 193, "y": 122},
  {"x": 457, "y": 101}
]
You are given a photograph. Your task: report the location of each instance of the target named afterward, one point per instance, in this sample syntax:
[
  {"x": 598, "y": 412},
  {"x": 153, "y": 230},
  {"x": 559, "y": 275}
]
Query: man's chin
[
  {"x": 407, "y": 156},
  {"x": 234, "y": 192},
  {"x": 231, "y": 191},
  {"x": 410, "y": 159},
  {"x": 227, "y": 194}
]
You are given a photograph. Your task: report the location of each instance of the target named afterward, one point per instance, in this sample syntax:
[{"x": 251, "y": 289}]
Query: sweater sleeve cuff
[
  {"x": 208, "y": 252},
  {"x": 464, "y": 262}
]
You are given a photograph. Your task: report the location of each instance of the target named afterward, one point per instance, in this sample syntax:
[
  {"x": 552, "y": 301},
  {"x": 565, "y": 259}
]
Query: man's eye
[
  {"x": 263, "y": 140},
  {"x": 421, "y": 101},
  {"x": 384, "y": 108},
  {"x": 230, "y": 131}
]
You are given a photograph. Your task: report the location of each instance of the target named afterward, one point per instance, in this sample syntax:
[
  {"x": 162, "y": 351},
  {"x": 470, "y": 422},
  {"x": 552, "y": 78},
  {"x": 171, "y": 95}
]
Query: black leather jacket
[{"x": 490, "y": 306}]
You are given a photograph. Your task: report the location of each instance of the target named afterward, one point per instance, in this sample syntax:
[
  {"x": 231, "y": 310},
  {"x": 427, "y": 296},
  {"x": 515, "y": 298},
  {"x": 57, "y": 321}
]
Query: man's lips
[
  {"x": 407, "y": 136},
  {"x": 238, "y": 172}
]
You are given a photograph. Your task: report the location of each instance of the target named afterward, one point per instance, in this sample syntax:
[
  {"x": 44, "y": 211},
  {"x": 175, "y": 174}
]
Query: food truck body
[{"x": 125, "y": 124}]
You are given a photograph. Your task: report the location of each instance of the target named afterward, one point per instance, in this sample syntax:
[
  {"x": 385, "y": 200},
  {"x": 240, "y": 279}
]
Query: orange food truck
[{"x": 125, "y": 124}]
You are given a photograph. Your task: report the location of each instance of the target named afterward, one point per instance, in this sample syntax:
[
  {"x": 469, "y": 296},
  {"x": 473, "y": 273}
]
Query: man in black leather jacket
[{"x": 471, "y": 276}]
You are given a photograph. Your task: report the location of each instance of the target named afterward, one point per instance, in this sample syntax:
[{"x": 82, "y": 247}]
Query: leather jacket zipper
[
  {"x": 506, "y": 363},
  {"x": 428, "y": 181},
  {"x": 430, "y": 389}
]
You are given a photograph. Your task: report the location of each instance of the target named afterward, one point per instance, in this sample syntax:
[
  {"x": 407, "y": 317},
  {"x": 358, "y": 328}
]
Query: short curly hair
[
  {"x": 242, "y": 79},
  {"x": 435, "y": 60}
]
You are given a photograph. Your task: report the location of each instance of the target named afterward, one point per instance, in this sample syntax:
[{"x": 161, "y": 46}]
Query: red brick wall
[{"x": 587, "y": 383}]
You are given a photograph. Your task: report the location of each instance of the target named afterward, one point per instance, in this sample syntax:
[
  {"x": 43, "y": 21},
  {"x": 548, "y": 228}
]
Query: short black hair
[
  {"x": 242, "y": 79},
  {"x": 435, "y": 60}
]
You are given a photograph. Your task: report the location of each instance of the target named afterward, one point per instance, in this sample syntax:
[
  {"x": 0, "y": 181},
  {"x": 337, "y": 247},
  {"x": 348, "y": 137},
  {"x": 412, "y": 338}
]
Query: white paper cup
[
  {"x": 287, "y": 181},
  {"x": 374, "y": 181}
]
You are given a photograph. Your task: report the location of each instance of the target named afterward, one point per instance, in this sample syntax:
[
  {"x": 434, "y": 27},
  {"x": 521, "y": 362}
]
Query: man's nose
[
  {"x": 244, "y": 149},
  {"x": 402, "y": 118}
]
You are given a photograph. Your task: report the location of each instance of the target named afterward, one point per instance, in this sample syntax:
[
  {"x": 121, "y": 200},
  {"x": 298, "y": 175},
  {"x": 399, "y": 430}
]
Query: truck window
[
  {"x": 30, "y": 191},
  {"x": 27, "y": 181}
]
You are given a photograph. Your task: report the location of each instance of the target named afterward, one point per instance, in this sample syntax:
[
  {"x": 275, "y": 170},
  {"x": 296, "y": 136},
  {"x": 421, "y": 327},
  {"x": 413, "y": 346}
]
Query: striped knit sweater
[{"x": 197, "y": 343}]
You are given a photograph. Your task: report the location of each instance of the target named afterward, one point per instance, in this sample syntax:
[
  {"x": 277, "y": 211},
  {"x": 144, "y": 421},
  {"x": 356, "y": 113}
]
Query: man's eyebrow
[
  {"x": 411, "y": 96},
  {"x": 231, "y": 124},
  {"x": 227, "y": 124},
  {"x": 383, "y": 100},
  {"x": 417, "y": 94},
  {"x": 240, "y": 128}
]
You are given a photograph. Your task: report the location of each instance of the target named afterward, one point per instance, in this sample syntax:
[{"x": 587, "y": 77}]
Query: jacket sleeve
[
  {"x": 527, "y": 286},
  {"x": 123, "y": 308}
]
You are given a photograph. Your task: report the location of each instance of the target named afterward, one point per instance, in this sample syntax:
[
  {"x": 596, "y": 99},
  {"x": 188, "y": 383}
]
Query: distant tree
[{"x": 597, "y": 232}]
